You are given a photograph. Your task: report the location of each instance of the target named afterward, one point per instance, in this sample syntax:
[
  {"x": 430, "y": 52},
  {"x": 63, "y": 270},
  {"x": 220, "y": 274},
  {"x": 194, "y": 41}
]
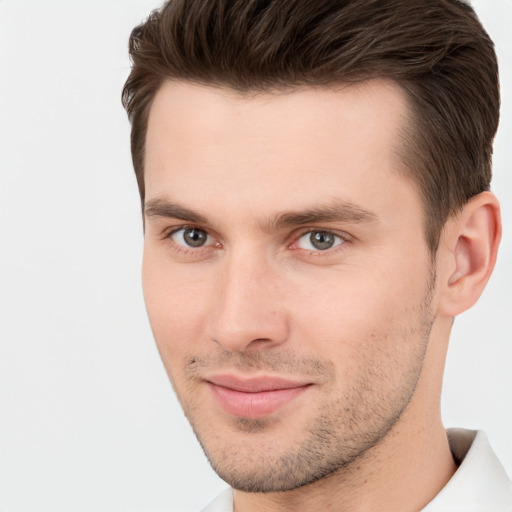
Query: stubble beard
[{"x": 340, "y": 436}]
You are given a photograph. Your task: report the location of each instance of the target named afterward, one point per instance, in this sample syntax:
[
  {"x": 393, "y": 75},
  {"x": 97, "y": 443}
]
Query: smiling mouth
[{"x": 254, "y": 398}]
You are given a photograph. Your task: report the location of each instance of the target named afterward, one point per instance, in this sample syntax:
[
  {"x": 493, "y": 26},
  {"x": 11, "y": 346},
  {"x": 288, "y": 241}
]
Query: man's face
[{"x": 286, "y": 274}]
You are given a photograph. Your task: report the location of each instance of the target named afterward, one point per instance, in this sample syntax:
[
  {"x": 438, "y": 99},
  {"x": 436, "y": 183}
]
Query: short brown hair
[{"x": 436, "y": 50}]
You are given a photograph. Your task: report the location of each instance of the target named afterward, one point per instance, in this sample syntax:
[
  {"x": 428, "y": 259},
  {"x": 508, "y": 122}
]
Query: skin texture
[{"x": 361, "y": 327}]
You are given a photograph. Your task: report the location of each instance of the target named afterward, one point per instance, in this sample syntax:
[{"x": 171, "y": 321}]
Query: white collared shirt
[{"x": 480, "y": 484}]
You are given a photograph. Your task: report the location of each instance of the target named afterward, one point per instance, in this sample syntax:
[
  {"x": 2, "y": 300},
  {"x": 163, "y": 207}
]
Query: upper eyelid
[
  {"x": 297, "y": 233},
  {"x": 327, "y": 231},
  {"x": 174, "y": 229},
  {"x": 185, "y": 248},
  {"x": 346, "y": 240},
  {"x": 341, "y": 234}
]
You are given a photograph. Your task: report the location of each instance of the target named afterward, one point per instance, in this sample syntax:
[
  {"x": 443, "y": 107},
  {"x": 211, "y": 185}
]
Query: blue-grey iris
[
  {"x": 322, "y": 240},
  {"x": 194, "y": 237}
]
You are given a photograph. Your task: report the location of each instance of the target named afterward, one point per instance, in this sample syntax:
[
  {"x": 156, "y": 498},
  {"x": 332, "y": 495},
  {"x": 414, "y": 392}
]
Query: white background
[{"x": 88, "y": 421}]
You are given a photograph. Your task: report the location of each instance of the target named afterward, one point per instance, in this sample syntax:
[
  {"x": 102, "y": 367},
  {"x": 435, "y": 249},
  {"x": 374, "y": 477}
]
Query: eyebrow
[
  {"x": 335, "y": 211},
  {"x": 163, "y": 208}
]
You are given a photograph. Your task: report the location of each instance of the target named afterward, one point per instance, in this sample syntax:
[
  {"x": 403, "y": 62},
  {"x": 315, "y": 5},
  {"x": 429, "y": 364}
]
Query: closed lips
[{"x": 253, "y": 398}]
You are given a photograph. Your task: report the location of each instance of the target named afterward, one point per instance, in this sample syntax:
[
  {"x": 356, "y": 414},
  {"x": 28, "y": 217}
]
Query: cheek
[
  {"x": 175, "y": 303},
  {"x": 342, "y": 315},
  {"x": 375, "y": 340}
]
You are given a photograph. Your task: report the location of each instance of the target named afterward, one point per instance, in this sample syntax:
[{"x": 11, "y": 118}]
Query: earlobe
[{"x": 471, "y": 241}]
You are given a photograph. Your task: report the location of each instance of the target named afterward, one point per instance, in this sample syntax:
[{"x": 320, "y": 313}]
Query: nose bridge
[{"x": 247, "y": 305}]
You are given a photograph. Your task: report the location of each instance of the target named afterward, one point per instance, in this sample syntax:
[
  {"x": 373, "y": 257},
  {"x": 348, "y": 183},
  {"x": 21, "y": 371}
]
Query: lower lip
[{"x": 254, "y": 405}]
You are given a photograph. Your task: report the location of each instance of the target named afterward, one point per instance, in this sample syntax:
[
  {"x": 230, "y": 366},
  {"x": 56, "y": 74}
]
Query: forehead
[
  {"x": 201, "y": 110},
  {"x": 204, "y": 142}
]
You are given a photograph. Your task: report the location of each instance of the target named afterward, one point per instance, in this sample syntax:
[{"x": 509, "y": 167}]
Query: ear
[{"x": 467, "y": 253}]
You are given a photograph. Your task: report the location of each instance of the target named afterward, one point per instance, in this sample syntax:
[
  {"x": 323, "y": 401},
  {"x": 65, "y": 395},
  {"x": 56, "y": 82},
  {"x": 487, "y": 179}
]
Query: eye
[
  {"x": 319, "y": 241},
  {"x": 190, "y": 237}
]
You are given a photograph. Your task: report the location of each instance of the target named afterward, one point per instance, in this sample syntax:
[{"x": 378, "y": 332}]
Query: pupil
[
  {"x": 321, "y": 240},
  {"x": 194, "y": 237}
]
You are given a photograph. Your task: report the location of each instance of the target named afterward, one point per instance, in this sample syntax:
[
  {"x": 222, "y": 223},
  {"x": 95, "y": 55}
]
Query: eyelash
[
  {"x": 190, "y": 250},
  {"x": 343, "y": 238},
  {"x": 340, "y": 243}
]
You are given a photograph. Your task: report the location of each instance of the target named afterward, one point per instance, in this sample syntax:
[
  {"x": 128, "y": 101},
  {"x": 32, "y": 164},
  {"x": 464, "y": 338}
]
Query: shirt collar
[{"x": 480, "y": 483}]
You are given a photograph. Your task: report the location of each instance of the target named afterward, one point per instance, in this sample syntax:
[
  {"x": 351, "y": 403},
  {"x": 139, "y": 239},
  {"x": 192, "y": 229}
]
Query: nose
[{"x": 248, "y": 307}]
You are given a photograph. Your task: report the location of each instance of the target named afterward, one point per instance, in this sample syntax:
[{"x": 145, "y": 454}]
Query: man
[{"x": 315, "y": 180}]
